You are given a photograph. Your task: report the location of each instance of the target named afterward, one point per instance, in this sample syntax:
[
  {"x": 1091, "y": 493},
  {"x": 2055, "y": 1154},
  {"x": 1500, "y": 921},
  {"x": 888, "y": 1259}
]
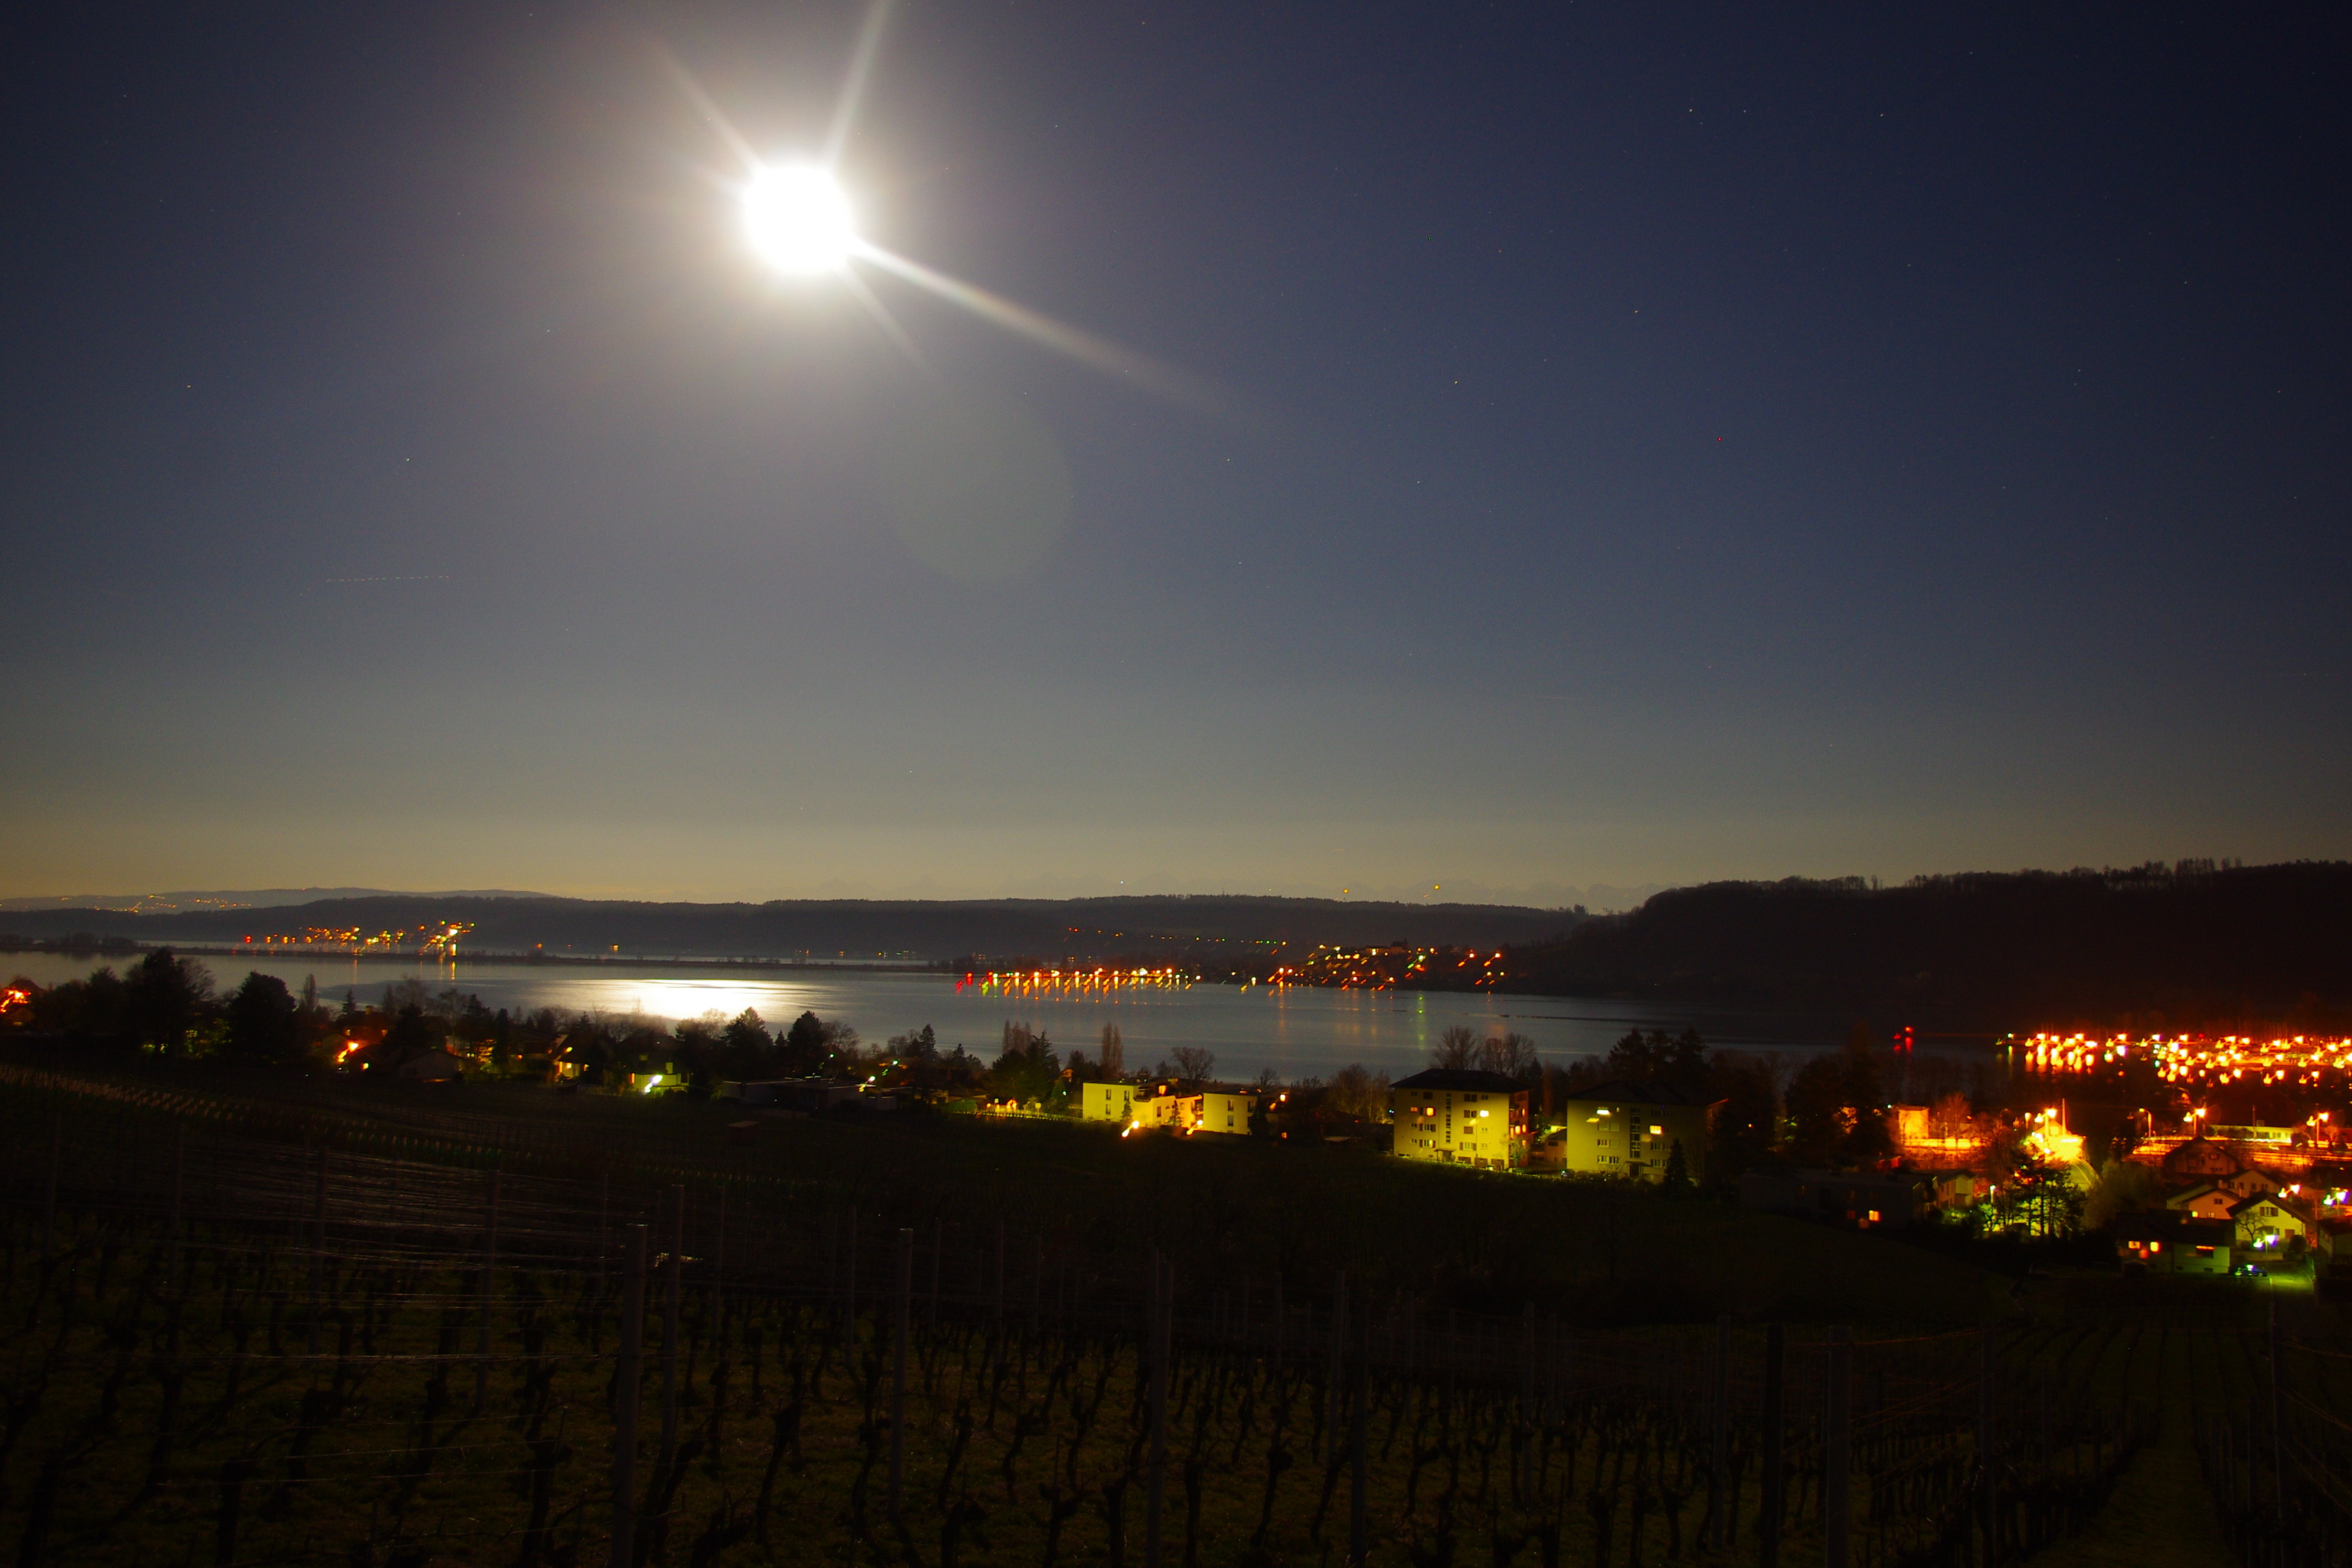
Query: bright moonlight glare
[{"x": 798, "y": 220}]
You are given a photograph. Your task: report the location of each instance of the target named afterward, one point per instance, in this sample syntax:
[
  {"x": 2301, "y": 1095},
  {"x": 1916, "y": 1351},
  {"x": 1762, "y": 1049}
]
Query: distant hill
[
  {"x": 1214, "y": 928},
  {"x": 1982, "y": 950},
  {"x": 221, "y": 899}
]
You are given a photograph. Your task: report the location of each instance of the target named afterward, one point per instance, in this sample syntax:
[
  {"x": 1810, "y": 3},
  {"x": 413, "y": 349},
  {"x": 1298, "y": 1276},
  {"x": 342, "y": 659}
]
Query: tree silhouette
[
  {"x": 410, "y": 1036},
  {"x": 1816, "y": 1102},
  {"x": 1510, "y": 1055},
  {"x": 163, "y": 998},
  {"x": 263, "y": 1023},
  {"x": 1026, "y": 1068},
  {"x": 1671, "y": 1061},
  {"x": 1456, "y": 1049},
  {"x": 806, "y": 1048},
  {"x": 747, "y": 1051},
  {"x": 1747, "y": 1121},
  {"x": 1357, "y": 1093}
]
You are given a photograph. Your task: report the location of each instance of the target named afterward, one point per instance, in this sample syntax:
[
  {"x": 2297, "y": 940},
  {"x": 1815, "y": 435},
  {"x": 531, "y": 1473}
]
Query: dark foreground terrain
[{"x": 258, "y": 1323}]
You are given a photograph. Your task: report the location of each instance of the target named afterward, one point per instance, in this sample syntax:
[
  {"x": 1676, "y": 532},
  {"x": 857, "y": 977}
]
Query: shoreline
[{"x": 530, "y": 960}]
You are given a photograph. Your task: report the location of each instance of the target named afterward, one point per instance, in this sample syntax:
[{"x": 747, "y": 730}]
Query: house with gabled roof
[
  {"x": 2199, "y": 1158},
  {"x": 2171, "y": 1242},
  {"x": 2205, "y": 1200},
  {"x": 2247, "y": 1183},
  {"x": 2272, "y": 1225}
]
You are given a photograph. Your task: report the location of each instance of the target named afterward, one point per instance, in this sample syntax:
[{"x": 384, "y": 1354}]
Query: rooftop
[
  {"x": 1631, "y": 1091},
  {"x": 1461, "y": 1081}
]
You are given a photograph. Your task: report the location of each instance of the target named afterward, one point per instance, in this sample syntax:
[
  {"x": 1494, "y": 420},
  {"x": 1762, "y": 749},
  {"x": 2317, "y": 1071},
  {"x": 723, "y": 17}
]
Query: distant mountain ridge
[
  {"x": 1226, "y": 928},
  {"x": 227, "y": 898}
]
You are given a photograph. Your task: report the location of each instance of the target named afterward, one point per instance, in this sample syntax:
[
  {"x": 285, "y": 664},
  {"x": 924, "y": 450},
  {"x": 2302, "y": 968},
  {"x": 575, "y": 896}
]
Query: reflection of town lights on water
[
  {"x": 2190, "y": 1058},
  {"x": 439, "y": 937}
]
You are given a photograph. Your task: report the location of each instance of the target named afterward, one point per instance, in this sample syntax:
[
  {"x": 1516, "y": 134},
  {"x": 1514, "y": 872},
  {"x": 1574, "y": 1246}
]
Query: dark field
[{"x": 356, "y": 1344}]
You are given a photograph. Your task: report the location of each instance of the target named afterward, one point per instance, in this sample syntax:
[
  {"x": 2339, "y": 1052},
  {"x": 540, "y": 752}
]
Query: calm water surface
[{"x": 1298, "y": 1032}]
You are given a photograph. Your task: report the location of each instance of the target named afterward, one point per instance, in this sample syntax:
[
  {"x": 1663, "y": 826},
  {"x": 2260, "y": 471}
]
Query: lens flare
[{"x": 798, "y": 220}]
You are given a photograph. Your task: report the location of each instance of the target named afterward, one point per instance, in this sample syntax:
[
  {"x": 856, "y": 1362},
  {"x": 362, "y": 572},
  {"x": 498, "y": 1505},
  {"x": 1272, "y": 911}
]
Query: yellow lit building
[
  {"x": 1459, "y": 1118},
  {"x": 1168, "y": 1110},
  {"x": 1110, "y": 1101},
  {"x": 2250, "y": 1183},
  {"x": 1223, "y": 1111},
  {"x": 1625, "y": 1128},
  {"x": 2206, "y": 1200},
  {"x": 1163, "y": 1105},
  {"x": 2271, "y": 1224}
]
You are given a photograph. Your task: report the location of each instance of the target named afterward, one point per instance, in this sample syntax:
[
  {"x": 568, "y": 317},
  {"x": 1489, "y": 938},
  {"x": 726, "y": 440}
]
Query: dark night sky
[{"x": 1654, "y": 444}]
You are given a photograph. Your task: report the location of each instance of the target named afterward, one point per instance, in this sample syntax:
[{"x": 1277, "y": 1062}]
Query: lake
[{"x": 1298, "y": 1032}]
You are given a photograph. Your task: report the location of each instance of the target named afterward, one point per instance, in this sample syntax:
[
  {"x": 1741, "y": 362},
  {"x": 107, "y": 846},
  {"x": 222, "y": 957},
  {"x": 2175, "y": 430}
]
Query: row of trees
[
  {"x": 1029, "y": 1068},
  {"x": 171, "y": 1005}
]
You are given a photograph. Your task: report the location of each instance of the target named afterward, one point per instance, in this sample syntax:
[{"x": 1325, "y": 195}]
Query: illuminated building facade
[
  {"x": 1112, "y": 1102},
  {"x": 1459, "y": 1118},
  {"x": 1626, "y": 1128},
  {"x": 2250, "y": 1182},
  {"x": 1161, "y": 1105},
  {"x": 2206, "y": 1200},
  {"x": 2272, "y": 1226},
  {"x": 1223, "y": 1112}
]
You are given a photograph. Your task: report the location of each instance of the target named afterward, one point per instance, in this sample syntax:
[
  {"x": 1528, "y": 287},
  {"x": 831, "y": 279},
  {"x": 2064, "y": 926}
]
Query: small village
[
  {"x": 2129, "y": 1148},
  {"x": 2136, "y": 1155},
  {"x": 2247, "y": 1201}
]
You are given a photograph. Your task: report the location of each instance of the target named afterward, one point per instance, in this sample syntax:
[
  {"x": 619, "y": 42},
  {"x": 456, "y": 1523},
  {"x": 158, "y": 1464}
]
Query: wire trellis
[{"x": 227, "y": 1345}]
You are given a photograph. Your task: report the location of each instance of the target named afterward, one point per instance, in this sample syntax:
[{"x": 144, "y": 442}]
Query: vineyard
[{"x": 242, "y": 1337}]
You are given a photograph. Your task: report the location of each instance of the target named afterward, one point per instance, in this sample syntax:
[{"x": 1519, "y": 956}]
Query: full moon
[{"x": 798, "y": 220}]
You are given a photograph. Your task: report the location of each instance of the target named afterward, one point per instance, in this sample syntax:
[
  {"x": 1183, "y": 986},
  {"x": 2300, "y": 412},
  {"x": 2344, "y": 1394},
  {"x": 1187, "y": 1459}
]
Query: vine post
[
  {"x": 1837, "y": 1462},
  {"x": 626, "y": 1377},
  {"x": 899, "y": 1311}
]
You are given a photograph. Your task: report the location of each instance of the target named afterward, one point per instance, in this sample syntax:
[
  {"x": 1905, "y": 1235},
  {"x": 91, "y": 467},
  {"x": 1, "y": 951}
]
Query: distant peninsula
[{"x": 2184, "y": 942}]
